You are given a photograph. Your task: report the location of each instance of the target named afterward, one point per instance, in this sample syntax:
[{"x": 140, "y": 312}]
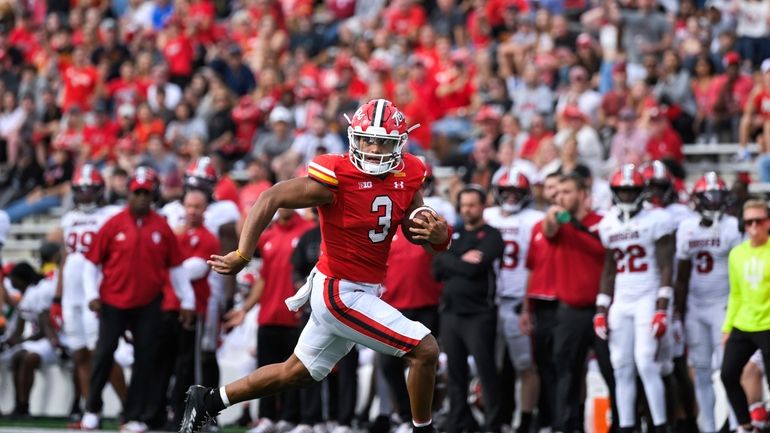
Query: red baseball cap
[
  {"x": 144, "y": 178},
  {"x": 732, "y": 58},
  {"x": 573, "y": 112}
]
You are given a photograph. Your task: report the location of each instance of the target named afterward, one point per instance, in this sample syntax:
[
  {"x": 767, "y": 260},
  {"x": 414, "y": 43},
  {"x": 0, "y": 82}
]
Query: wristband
[
  {"x": 444, "y": 246},
  {"x": 666, "y": 292},
  {"x": 603, "y": 300},
  {"x": 239, "y": 254}
]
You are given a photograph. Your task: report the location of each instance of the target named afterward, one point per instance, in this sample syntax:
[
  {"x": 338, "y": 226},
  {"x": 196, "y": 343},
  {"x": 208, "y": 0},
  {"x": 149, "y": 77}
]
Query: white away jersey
[
  {"x": 707, "y": 248},
  {"x": 217, "y": 214},
  {"x": 679, "y": 212},
  {"x": 633, "y": 246},
  {"x": 35, "y": 300},
  {"x": 78, "y": 230},
  {"x": 516, "y": 230}
]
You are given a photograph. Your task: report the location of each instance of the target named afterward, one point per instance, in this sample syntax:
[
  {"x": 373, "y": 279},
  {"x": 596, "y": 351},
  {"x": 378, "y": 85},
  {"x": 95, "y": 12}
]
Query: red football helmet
[
  {"x": 201, "y": 174},
  {"x": 709, "y": 195},
  {"x": 659, "y": 184},
  {"x": 87, "y": 187},
  {"x": 511, "y": 190},
  {"x": 627, "y": 186},
  {"x": 378, "y": 121}
]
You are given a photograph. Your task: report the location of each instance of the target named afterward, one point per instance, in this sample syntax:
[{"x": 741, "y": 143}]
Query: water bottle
[{"x": 563, "y": 217}]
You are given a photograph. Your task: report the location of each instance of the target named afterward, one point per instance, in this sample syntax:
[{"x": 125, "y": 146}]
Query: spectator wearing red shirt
[
  {"x": 258, "y": 173},
  {"x": 575, "y": 245},
  {"x": 756, "y": 114},
  {"x": 138, "y": 253},
  {"x": 80, "y": 81},
  {"x": 617, "y": 98},
  {"x": 147, "y": 125},
  {"x": 538, "y": 317},
  {"x": 417, "y": 112},
  {"x": 730, "y": 91},
  {"x": 664, "y": 142},
  {"x": 178, "y": 52},
  {"x": 126, "y": 89},
  {"x": 404, "y": 18},
  {"x": 102, "y": 136},
  {"x": 455, "y": 87},
  {"x": 537, "y": 133},
  {"x": 278, "y": 326},
  {"x": 177, "y": 348},
  {"x": 200, "y": 16}
]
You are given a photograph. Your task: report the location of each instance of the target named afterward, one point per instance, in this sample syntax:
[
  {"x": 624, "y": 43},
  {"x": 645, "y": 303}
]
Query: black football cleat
[{"x": 196, "y": 416}]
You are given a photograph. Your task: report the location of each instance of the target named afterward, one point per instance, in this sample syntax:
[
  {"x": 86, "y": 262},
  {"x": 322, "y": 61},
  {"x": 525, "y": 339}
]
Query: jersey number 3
[{"x": 382, "y": 206}]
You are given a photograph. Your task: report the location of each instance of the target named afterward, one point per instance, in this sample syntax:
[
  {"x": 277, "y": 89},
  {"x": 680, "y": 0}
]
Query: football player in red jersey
[{"x": 362, "y": 197}]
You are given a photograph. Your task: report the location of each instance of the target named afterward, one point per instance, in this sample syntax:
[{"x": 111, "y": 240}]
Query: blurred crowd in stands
[{"x": 262, "y": 85}]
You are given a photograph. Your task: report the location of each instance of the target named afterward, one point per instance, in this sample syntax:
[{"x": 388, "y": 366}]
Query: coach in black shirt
[{"x": 468, "y": 311}]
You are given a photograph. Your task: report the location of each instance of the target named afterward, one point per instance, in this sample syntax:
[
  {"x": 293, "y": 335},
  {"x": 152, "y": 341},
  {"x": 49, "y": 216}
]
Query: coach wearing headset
[{"x": 468, "y": 311}]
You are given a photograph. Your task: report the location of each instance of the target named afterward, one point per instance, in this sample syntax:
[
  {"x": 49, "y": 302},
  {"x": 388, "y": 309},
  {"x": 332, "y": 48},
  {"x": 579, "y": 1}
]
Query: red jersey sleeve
[
  {"x": 100, "y": 243},
  {"x": 174, "y": 255},
  {"x": 322, "y": 169}
]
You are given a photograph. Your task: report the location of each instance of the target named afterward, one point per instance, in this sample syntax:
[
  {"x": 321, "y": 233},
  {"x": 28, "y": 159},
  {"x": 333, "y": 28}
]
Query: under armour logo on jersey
[
  {"x": 156, "y": 237},
  {"x": 120, "y": 237},
  {"x": 398, "y": 184},
  {"x": 365, "y": 185}
]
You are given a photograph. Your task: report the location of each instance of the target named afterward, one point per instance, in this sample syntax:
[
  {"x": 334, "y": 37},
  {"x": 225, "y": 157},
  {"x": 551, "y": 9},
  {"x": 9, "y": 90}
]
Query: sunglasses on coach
[{"x": 752, "y": 221}]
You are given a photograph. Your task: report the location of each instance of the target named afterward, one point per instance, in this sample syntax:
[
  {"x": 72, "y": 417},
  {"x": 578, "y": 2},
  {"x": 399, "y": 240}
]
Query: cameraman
[{"x": 571, "y": 227}]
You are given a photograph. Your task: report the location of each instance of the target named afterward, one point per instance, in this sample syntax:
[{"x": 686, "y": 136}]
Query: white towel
[{"x": 294, "y": 303}]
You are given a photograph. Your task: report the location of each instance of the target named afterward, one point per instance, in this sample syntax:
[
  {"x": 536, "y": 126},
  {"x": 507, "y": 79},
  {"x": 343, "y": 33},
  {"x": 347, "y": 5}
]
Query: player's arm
[
  {"x": 435, "y": 230},
  {"x": 606, "y": 291},
  {"x": 297, "y": 193},
  {"x": 56, "y": 314},
  {"x": 664, "y": 256},
  {"x": 682, "y": 286},
  {"x": 228, "y": 240},
  {"x": 235, "y": 317}
]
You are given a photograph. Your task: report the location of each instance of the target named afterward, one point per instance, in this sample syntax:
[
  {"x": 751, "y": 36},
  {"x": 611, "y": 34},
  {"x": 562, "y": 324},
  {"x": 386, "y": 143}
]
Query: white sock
[
  {"x": 223, "y": 396},
  {"x": 422, "y": 424}
]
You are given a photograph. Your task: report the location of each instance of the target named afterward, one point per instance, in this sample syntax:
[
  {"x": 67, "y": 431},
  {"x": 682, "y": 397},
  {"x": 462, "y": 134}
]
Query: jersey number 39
[{"x": 79, "y": 242}]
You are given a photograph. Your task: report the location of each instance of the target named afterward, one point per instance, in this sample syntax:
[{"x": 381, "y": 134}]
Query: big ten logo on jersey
[
  {"x": 79, "y": 242},
  {"x": 365, "y": 185}
]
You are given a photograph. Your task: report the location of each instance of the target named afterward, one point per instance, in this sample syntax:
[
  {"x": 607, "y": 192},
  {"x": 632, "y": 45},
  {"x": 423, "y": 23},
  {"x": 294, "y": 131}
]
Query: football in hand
[{"x": 409, "y": 221}]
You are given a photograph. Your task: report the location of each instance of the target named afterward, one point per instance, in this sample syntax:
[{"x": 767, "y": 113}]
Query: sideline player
[
  {"x": 660, "y": 191},
  {"x": 515, "y": 221},
  {"x": 362, "y": 198},
  {"x": 80, "y": 325},
  {"x": 220, "y": 218},
  {"x": 703, "y": 243},
  {"x": 637, "y": 282}
]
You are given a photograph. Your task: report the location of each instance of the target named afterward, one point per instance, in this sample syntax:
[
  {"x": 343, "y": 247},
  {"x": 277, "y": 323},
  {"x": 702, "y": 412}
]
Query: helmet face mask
[
  {"x": 710, "y": 197},
  {"x": 511, "y": 199},
  {"x": 628, "y": 199},
  {"x": 375, "y": 163},
  {"x": 87, "y": 187},
  {"x": 86, "y": 197},
  {"x": 660, "y": 194}
]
